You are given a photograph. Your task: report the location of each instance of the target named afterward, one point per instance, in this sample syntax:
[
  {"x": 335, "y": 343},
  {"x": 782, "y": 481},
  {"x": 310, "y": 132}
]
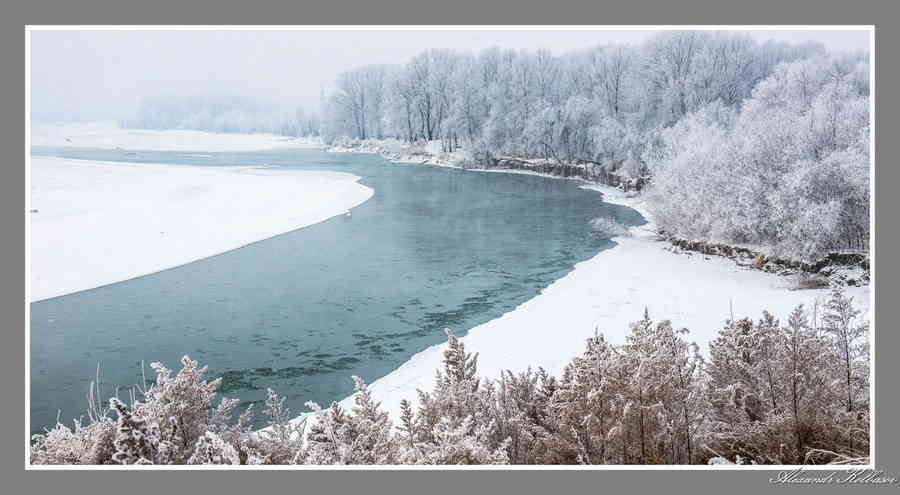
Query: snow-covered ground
[
  {"x": 95, "y": 223},
  {"x": 108, "y": 135},
  {"x": 395, "y": 151},
  {"x": 177, "y": 214},
  {"x": 605, "y": 294}
]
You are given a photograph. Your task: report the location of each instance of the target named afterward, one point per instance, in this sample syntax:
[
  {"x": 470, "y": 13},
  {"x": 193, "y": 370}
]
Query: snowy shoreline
[
  {"x": 88, "y": 219},
  {"x": 395, "y": 151},
  {"x": 605, "y": 294}
]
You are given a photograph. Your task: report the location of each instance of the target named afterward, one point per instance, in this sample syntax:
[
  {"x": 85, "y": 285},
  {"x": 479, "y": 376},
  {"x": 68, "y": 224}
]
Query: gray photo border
[{"x": 14, "y": 479}]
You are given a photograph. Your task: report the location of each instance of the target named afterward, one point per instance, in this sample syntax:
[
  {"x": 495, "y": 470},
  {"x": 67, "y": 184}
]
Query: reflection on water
[{"x": 302, "y": 312}]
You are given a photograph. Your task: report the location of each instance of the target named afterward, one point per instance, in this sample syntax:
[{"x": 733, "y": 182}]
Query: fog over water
[{"x": 104, "y": 75}]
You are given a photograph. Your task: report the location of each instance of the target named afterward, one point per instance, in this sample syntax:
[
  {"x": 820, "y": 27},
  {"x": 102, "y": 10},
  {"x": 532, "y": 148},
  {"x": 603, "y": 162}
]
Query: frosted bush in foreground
[
  {"x": 211, "y": 449},
  {"x": 770, "y": 393}
]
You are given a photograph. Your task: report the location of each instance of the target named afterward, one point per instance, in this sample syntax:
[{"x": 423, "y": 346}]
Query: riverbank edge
[
  {"x": 403, "y": 380},
  {"x": 340, "y": 206},
  {"x": 843, "y": 269}
]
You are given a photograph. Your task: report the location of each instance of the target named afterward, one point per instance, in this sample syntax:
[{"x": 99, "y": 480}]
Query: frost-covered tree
[
  {"x": 850, "y": 339},
  {"x": 784, "y": 395},
  {"x": 357, "y": 108},
  {"x": 587, "y": 407},
  {"x": 663, "y": 400},
  {"x": 212, "y": 449},
  {"x": 454, "y": 423},
  {"x": 850, "y": 347},
  {"x": 788, "y": 174},
  {"x": 362, "y": 437},
  {"x": 522, "y": 418},
  {"x": 615, "y": 105},
  {"x": 279, "y": 443}
]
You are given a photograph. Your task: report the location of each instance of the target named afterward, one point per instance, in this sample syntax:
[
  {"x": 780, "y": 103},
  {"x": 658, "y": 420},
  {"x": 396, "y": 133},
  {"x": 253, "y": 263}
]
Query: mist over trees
[
  {"x": 759, "y": 144},
  {"x": 222, "y": 113},
  {"x": 594, "y": 104},
  {"x": 764, "y": 145},
  {"x": 769, "y": 392}
]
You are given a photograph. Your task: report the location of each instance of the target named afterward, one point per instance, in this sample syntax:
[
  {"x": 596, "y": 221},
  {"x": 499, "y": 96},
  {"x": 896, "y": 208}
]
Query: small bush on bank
[{"x": 608, "y": 227}]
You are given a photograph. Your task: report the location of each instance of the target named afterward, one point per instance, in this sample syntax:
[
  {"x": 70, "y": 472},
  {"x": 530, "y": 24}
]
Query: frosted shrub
[
  {"x": 462, "y": 442},
  {"x": 177, "y": 409},
  {"x": 281, "y": 441},
  {"x": 91, "y": 444},
  {"x": 790, "y": 394},
  {"x": 162, "y": 428},
  {"x": 175, "y": 413},
  {"x": 99, "y": 436},
  {"x": 138, "y": 440},
  {"x": 455, "y": 417},
  {"x": 220, "y": 421},
  {"x": 211, "y": 449},
  {"x": 771, "y": 393},
  {"x": 361, "y": 437},
  {"x": 522, "y": 417},
  {"x": 582, "y": 408},
  {"x": 850, "y": 345},
  {"x": 373, "y": 440},
  {"x": 608, "y": 227}
]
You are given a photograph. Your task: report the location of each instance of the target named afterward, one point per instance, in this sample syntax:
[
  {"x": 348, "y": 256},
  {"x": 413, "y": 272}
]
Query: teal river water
[{"x": 302, "y": 312}]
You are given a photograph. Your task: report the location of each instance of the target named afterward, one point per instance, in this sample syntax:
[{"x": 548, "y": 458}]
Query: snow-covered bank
[
  {"x": 605, "y": 294},
  {"x": 108, "y": 135},
  {"x": 95, "y": 223},
  {"x": 392, "y": 150}
]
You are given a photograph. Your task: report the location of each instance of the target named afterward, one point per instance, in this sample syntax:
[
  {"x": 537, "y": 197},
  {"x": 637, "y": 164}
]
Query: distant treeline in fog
[{"x": 222, "y": 113}]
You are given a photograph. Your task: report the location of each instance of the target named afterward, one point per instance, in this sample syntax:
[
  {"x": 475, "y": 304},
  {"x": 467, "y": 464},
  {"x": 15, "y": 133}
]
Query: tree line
[
  {"x": 747, "y": 143},
  {"x": 768, "y": 392},
  {"x": 222, "y": 112},
  {"x": 597, "y": 103},
  {"x": 764, "y": 145}
]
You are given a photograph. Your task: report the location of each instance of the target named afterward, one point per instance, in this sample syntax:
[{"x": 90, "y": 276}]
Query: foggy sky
[{"x": 103, "y": 75}]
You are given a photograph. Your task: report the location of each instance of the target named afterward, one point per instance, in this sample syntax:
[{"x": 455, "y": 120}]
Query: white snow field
[
  {"x": 108, "y": 135},
  {"x": 96, "y": 223},
  {"x": 606, "y": 293}
]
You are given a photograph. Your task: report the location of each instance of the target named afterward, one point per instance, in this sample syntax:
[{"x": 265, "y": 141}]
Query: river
[{"x": 302, "y": 312}]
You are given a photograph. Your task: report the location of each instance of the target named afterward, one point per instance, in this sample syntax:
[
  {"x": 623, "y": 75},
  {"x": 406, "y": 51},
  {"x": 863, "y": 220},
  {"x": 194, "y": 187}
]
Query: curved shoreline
[
  {"x": 87, "y": 218},
  {"x": 605, "y": 294}
]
